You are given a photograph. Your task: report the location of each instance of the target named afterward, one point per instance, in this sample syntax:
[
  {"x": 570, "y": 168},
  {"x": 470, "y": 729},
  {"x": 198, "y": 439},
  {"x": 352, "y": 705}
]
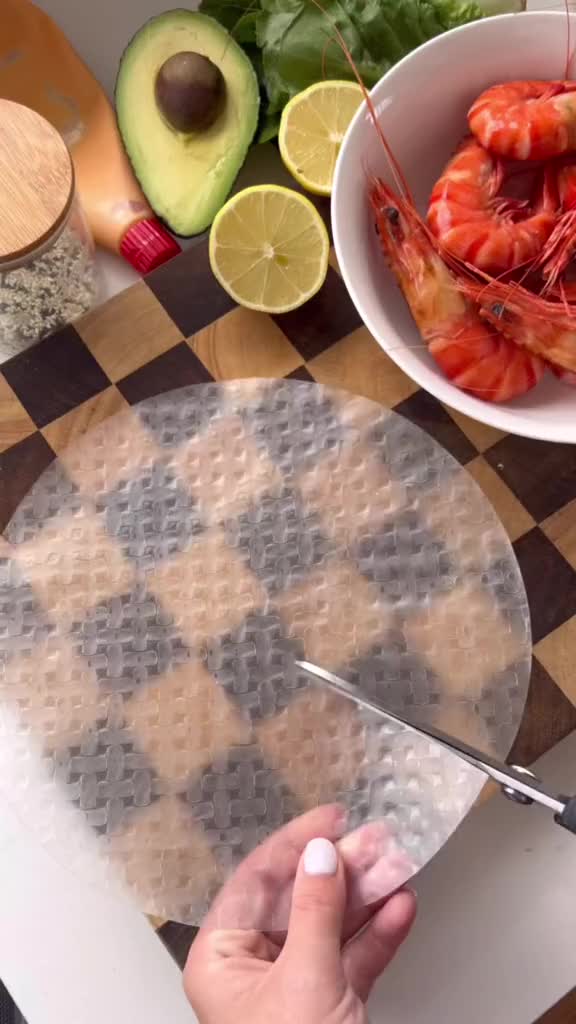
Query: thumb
[{"x": 317, "y": 911}]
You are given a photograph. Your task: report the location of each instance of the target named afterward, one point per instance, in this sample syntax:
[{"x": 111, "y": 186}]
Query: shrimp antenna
[
  {"x": 397, "y": 172},
  {"x": 328, "y": 42}
]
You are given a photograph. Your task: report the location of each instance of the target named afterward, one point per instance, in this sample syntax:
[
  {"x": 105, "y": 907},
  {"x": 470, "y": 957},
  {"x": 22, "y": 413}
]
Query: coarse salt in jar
[{"x": 48, "y": 274}]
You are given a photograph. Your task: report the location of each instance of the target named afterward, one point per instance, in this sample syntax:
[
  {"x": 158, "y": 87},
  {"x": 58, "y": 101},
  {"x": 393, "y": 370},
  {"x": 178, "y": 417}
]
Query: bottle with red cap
[
  {"x": 147, "y": 244},
  {"x": 51, "y": 79}
]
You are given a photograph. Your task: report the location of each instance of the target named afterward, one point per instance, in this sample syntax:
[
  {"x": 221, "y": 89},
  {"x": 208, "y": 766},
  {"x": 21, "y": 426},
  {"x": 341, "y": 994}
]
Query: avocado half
[{"x": 186, "y": 177}]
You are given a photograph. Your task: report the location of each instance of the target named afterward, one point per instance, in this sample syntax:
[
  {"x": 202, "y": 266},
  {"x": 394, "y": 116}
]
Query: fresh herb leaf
[
  {"x": 299, "y": 45},
  {"x": 238, "y": 16}
]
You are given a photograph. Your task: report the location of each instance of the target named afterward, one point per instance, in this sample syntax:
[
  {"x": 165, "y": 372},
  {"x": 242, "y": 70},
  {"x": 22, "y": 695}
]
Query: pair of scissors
[{"x": 518, "y": 784}]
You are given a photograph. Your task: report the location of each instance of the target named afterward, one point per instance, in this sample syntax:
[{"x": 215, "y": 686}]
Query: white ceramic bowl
[{"x": 422, "y": 104}]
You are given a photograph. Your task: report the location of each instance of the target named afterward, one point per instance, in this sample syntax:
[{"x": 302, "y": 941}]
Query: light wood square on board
[
  {"x": 245, "y": 343},
  {"x": 73, "y": 565},
  {"x": 119, "y": 448},
  {"x": 358, "y": 364},
  {"x": 560, "y": 528},
  {"x": 463, "y": 637},
  {"x": 240, "y": 395},
  {"x": 317, "y": 743},
  {"x": 85, "y": 417},
  {"x": 351, "y": 491},
  {"x": 460, "y": 720},
  {"x": 556, "y": 653},
  {"x": 511, "y": 513},
  {"x": 15, "y": 423},
  {"x": 54, "y": 693},
  {"x": 6, "y": 549},
  {"x": 207, "y": 589},
  {"x": 489, "y": 790},
  {"x": 155, "y": 922},
  {"x": 333, "y": 261},
  {"x": 336, "y": 613},
  {"x": 224, "y": 470},
  {"x": 481, "y": 434},
  {"x": 183, "y": 722},
  {"x": 467, "y": 524},
  {"x": 359, "y": 416},
  {"x": 128, "y": 331}
]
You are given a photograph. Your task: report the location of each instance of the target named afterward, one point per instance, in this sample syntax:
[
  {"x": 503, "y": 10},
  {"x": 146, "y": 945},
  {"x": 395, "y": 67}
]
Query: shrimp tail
[{"x": 487, "y": 365}]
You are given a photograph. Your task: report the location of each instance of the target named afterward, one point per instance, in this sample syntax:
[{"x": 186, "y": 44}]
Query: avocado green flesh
[{"x": 185, "y": 177}]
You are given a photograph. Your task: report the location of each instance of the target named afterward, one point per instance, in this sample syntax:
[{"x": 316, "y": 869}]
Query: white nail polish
[{"x": 320, "y": 858}]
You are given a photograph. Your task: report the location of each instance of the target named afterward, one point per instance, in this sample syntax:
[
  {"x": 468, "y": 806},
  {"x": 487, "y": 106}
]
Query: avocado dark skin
[{"x": 190, "y": 91}]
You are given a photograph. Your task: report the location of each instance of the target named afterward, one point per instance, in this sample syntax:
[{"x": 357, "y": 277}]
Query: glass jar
[{"x": 48, "y": 274}]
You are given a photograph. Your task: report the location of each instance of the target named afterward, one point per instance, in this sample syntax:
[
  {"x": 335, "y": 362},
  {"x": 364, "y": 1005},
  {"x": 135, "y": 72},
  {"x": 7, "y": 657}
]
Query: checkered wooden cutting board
[
  {"x": 179, "y": 328},
  {"x": 163, "y": 575}
]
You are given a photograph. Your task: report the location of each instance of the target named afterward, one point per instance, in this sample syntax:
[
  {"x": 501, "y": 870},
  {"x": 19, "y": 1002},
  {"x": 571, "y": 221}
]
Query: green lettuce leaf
[
  {"x": 238, "y": 16},
  {"x": 299, "y": 46},
  {"x": 293, "y": 43}
]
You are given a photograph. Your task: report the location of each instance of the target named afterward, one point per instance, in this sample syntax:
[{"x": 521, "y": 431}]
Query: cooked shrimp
[
  {"x": 526, "y": 120},
  {"x": 543, "y": 328},
  {"x": 473, "y": 355},
  {"x": 471, "y": 222}
]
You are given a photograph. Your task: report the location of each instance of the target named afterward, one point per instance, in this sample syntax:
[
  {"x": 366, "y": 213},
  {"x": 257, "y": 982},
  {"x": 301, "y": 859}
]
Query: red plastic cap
[{"x": 147, "y": 244}]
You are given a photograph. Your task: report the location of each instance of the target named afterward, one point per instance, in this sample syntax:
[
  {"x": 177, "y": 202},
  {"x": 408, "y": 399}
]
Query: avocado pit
[{"x": 190, "y": 91}]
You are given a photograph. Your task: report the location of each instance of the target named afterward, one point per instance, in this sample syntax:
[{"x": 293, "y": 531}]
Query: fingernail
[{"x": 320, "y": 858}]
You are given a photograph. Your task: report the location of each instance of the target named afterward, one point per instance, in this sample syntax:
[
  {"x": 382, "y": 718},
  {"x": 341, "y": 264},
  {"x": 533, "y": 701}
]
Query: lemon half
[
  {"x": 269, "y": 248},
  {"x": 312, "y": 128}
]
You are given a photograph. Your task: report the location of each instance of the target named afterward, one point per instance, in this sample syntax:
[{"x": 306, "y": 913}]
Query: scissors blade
[{"x": 506, "y": 775}]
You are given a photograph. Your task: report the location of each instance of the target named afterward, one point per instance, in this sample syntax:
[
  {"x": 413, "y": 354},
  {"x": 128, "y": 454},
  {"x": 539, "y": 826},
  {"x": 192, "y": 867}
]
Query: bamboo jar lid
[{"x": 36, "y": 180}]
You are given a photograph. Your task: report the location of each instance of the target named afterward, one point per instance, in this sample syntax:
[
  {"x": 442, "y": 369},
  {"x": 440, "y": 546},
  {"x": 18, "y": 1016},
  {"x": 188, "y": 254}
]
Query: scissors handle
[{"x": 567, "y": 817}]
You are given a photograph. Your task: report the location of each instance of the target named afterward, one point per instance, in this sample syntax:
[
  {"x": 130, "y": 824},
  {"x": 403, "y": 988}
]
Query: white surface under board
[
  {"x": 495, "y": 937},
  {"x": 493, "y": 944}
]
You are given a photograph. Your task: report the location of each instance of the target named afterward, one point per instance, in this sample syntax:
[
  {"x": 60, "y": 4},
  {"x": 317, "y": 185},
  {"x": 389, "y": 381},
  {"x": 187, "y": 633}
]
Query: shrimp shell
[
  {"x": 530, "y": 120},
  {"x": 471, "y": 223}
]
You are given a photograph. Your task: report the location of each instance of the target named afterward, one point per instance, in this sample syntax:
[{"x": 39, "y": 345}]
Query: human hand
[{"x": 322, "y": 970}]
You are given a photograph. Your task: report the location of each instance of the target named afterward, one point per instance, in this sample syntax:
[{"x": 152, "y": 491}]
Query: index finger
[{"x": 248, "y": 898}]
